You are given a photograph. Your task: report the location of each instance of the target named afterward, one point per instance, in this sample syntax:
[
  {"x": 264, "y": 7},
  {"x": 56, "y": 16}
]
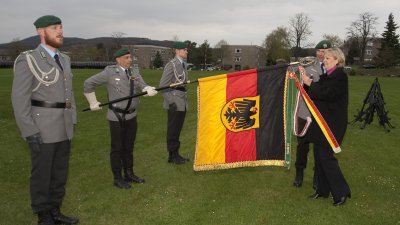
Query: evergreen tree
[
  {"x": 390, "y": 49},
  {"x": 157, "y": 63},
  {"x": 354, "y": 51}
]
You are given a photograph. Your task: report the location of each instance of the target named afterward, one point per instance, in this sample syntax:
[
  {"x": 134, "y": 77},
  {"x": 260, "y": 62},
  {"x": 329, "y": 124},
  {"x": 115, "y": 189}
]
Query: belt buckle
[{"x": 68, "y": 104}]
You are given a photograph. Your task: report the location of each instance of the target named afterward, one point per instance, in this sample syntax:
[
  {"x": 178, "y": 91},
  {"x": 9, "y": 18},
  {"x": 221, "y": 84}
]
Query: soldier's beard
[{"x": 54, "y": 42}]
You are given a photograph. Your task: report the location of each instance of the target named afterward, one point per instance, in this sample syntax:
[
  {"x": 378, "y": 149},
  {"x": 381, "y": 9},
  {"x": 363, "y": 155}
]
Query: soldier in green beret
[
  {"x": 175, "y": 100},
  {"x": 45, "y": 112},
  {"x": 303, "y": 115},
  {"x": 121, "y": 80}
]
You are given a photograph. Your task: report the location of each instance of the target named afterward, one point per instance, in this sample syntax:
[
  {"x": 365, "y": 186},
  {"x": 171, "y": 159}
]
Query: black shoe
[
  {"x": 59, "y": 218},
  {"x": 317, "y": 195},
  {"x": 131, "y": 177},
  {"x": 177, "y": 159},
  {"x": 342, "y": 200},
  {"x": 45, "y": 218},
  {"x": 120, "y": 183},
  {"x": 298, "y": 180}
]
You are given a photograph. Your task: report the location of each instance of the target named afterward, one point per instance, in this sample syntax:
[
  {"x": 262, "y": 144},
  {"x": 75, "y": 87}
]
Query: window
[
  {"x": 135, "y": 58},
  {"x": 237, "y": 59},
  {"x": 370, "y": 43},
  {"x": 135, "y": 50},
  {"x": 369, "y": 52},
  {"x": 238, "y": 50}
]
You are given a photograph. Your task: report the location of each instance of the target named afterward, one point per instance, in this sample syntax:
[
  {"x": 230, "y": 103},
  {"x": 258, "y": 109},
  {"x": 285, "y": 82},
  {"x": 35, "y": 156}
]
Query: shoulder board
[{"x": 25, "y": 52}]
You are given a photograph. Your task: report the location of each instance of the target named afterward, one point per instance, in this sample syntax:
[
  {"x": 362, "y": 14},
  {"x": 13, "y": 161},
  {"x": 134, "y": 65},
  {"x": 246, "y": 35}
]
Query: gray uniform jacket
[
  {"x": 174, "y": 72},
  {"x": 313, "y": 71},
  {"x": 35, "y": 77},
  {"x": 118, "y": 86}
]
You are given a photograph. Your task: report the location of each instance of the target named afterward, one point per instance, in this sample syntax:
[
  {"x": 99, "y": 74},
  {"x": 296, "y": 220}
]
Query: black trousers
[
  {"x": 174, "y": 128},
  {"x": 49, "y": 175},
  {"x": 122, "y": 144},
  {"x": 329, "y": 176},
  {"x": 303, "y": 147}
]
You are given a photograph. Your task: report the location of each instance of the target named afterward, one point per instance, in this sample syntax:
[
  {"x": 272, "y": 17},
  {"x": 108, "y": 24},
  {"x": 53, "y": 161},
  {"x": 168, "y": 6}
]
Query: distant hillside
[{"x": 32, "y": 42}]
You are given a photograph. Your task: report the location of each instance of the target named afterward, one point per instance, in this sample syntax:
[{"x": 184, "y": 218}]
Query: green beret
[
  {"x": 46, "y": 21},
  {"x": 121, "y": 52},
  {"x": 324, "y": 44},
  {"x": 180, "y": 45}
]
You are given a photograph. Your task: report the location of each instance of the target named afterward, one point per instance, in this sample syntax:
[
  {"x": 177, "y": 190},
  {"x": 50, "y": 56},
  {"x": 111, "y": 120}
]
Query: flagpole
[{"x": 144, "y": 93}]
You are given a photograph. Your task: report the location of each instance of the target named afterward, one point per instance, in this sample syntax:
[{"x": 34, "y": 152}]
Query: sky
[{"x": 239, "y": 22}]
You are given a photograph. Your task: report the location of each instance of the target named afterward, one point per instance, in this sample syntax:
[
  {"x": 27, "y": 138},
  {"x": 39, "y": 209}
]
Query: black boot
[
  {"x": 315, "y": 181},
  {"x": 131, "y": 177},
  {"x": 175, "y": 158},
  {"x": 298, "y": 180},
  {"x": 59, "y": 218},
  {"x": 45, "y": 218},
  {"x": 119, "y": 182}
]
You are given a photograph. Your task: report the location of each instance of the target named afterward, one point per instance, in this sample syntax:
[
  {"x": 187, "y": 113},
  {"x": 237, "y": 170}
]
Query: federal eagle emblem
[{"x": 240, "y": 114}]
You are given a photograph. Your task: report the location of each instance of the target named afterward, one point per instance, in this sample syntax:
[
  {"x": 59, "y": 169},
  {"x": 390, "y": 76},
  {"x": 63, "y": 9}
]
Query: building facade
[
  {"x": 143, "y": 55},
  {"x": 242, "y": 57}
]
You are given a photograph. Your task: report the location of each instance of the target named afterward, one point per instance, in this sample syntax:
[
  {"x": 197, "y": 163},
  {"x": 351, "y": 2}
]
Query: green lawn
[{"x": 178, "y": 195}]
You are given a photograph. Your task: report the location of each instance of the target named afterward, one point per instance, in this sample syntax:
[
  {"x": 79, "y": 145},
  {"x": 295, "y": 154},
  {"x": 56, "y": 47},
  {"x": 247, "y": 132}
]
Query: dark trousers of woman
[
  {"x": 329, "y": 175},
  {"x": 174, "y": 128},
  {"x": 123, "y": 137},
  {"x": 49, "y": 175}
]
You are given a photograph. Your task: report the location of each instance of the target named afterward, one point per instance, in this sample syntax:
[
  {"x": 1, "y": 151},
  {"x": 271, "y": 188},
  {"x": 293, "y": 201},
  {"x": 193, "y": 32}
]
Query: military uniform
[
  {"x": 44, "y": 104},
  {"x": 122, "y": 119},
  {"x": 302, "y": 123},
  {"x": 175, "y": 101}
]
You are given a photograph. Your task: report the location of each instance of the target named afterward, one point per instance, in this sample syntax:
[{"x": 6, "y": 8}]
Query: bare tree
[
  {"x": 175, "y": 38},
  {"x": 299, "y": 30},
  {"x": 221, "y": 52},
  {"x": 364, "y": 30},
  {"x": 118, "y": 38},
  {"x": 334, "y": 39}
]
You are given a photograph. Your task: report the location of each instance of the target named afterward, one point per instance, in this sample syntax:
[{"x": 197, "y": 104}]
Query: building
[
  {"x": 144, "y": 55},
  {"x": 241, "y": 57},
  {"x": 372, "y": 49}
]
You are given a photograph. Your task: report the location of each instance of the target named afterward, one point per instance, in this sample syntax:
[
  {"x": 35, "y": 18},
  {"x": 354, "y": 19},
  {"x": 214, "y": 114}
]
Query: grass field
[{"x": 178, "y": 195}]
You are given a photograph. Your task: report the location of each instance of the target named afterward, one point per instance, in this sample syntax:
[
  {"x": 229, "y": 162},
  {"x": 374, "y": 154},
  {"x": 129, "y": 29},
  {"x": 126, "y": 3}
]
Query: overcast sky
[{"x": 236, "y": 21}]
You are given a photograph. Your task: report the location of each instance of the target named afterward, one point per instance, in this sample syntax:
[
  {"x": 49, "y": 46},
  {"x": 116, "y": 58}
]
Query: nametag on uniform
[{"x": 117, "y": 79}]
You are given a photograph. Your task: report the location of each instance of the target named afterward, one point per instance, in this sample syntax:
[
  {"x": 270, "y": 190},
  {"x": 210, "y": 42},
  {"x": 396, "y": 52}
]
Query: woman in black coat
[{"x": 330, "y": 96}]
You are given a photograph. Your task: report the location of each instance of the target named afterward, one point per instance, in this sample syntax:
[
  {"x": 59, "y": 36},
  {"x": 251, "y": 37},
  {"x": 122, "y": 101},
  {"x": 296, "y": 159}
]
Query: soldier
[
  {"x": 175, "y": 100},
  {"x": 45, "y": 112},
  {"x": 304, "y": 117},
  {"x": 121, "y": 80}
]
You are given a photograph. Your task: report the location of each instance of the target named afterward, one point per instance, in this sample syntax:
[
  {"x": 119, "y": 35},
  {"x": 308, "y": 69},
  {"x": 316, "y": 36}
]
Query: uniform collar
[{"x": 51, "y": 53}]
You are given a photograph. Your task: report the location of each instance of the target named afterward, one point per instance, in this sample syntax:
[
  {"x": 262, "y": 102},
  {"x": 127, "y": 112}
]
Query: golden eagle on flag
[{"x": 242, "y": 119}]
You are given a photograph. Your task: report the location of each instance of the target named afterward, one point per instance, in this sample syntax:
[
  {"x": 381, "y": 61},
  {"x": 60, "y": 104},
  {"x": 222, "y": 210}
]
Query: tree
[
  {"x": 192, "y": 51},
  {"x": 157, "y": 63},
  {"x": 299, "y": 31},
  {"x": 363, "y": 29},
  {"x": 205, "y": 55},
  {"x": 277, "y": 45},
  {"x": 390, "y": 48},
  {"x": 334, "y": 39},
  {"x": 118, "y": 38},
  {"x": 220, "y": 52},
  {"x": 354, "y": 50}
]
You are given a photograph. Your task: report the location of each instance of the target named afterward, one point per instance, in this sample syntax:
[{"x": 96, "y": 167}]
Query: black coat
[{"x": 330, "y": 95}]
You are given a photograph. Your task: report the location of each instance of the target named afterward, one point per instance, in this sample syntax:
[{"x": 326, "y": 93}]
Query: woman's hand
[{"x": 306, "y": 80}]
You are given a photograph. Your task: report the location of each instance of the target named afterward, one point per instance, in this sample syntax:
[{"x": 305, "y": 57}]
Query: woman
[{"x": 330, "y": 95}]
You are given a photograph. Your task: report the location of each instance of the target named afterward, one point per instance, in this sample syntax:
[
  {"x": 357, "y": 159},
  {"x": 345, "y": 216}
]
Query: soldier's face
[
  {"x": 320, "y": 54},
  {"x": 52, "y": 35},
  {"x": 125, "y": 61},
  {"x": 182, "y": 53}
]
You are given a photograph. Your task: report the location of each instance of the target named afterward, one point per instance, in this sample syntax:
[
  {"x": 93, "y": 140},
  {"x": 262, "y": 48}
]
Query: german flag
[{"x": 242, "y": 120}]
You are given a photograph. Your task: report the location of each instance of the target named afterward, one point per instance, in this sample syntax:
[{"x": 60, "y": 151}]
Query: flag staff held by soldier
[{"x": 45, "y": 112}]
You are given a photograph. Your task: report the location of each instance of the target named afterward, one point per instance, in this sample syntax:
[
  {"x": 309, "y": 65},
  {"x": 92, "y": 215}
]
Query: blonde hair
[{"x": 337, "y": 54}]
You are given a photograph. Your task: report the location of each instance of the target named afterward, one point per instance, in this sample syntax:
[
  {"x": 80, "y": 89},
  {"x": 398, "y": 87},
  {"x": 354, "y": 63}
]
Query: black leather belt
[
  {"x": 121, "y": 110},
  {"x": 47, "y": 104},
  {"x": 181, "y": 89}
]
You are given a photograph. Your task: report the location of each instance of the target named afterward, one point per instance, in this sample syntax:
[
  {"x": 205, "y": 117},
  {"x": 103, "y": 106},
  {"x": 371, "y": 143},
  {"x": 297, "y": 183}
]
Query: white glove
[
  {"x": 91, "y": 98},
  {"x": 151, "y": 91}
]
